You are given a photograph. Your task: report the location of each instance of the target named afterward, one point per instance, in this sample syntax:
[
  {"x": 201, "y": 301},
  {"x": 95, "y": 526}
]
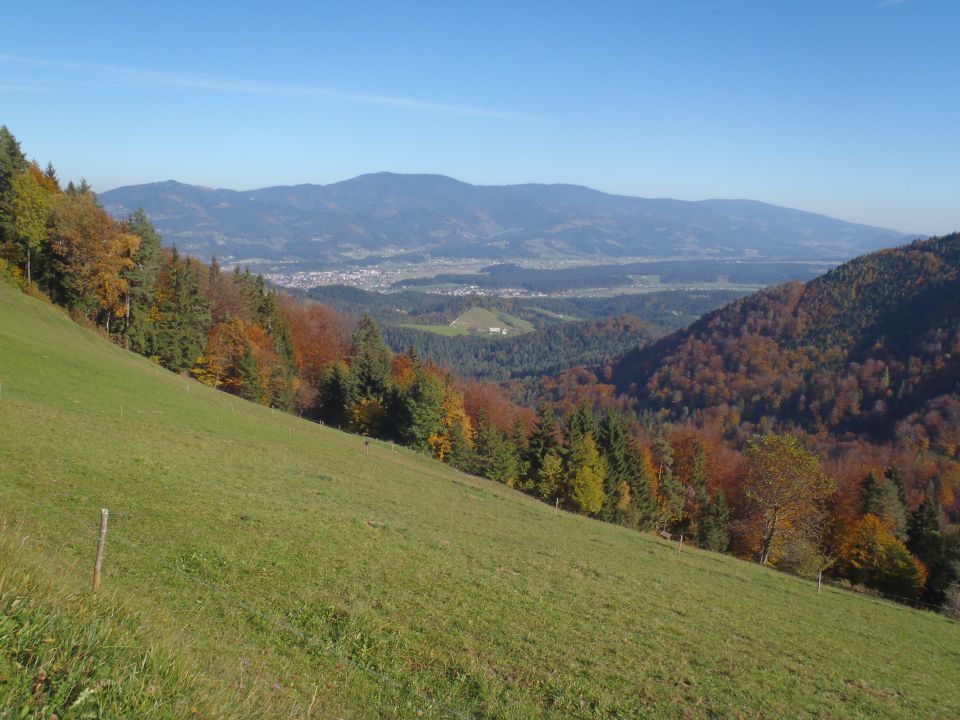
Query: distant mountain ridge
[{"x": 387, "y": 214}]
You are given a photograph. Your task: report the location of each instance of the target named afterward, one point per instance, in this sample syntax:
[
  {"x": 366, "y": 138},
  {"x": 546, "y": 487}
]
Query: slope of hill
[
  {"x": 858, "y": 349},
  {"x": 393, "y": 214},
  {"x": 292, "y": 572}
]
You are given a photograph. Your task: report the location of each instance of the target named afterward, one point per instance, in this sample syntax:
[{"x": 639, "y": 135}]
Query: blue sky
[{"x": 846, "y": 107}]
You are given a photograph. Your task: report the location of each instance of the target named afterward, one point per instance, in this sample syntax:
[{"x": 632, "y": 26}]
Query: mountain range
[{"x": 412, "y": 216}]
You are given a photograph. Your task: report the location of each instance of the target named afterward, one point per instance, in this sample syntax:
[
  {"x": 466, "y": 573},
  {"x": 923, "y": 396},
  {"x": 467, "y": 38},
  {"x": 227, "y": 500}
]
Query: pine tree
[
  {"x": 371, "y": 359},
  {"x": 542, "y": 441},
  {"x": 142, "y": 279},
  {"x": 670, "y": 495},
  {"x": 183, "y": 315},
  {"x": 496, "y": 457},
  {"x": 12, "y": 163},
  {"x": 418, "y": 410},
  {"x": 923, "y": 530},
  {"x": 894, "y": 475},
  {"x": 700, "y": 485},
  {"x": 613, "y": 441},
  {"x": 250, "y": 375},
  {"x": 643, "y": 511},
  {"x": 713, "y": 529},
  {"x": 880, "y": 497},
  {"x": 338, "y": 391},
  {"x": 460, "y": 455}
]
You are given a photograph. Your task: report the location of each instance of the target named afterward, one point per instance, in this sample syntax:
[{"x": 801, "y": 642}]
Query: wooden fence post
[
  {"x": 819, "y": 581},
  {"x": 98, "y": 566},
  {"x": 680, "y": 544}
]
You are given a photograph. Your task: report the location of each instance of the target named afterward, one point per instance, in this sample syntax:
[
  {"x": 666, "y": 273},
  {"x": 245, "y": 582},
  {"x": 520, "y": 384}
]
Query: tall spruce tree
[
  {"x": 371, "y": 360},
  {"x": 249, "y": 373},
  {"x": 12, "y": 163},
  {"x": 881, "y": 498},
  {"x": 184, "y": 315},
  {"x": 713, "y": 531},
  {"x": 542, "y": 441},
  {"x": 670, "y": 494},
  {"x": 613, "y": 442},
  {"x": 142, "y": 279},
  {"x": 496, "y": 457},
  {"x": 643, "y": 504}
]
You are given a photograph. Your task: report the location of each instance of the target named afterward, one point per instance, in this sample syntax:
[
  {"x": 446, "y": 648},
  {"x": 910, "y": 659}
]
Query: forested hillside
[{"x": 871, "y": 348}]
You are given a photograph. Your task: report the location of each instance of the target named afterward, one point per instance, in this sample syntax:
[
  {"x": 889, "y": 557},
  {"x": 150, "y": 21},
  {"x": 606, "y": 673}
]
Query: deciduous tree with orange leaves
[{"x": 784, "y": 490}]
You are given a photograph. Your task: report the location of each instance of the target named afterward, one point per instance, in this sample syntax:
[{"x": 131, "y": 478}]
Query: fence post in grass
[
  {"x": 819, "y": 581},
  {"x": 98, "y": 566},
  {"x": 680, "y": 544},
  {"x": 556, "y": 508}
]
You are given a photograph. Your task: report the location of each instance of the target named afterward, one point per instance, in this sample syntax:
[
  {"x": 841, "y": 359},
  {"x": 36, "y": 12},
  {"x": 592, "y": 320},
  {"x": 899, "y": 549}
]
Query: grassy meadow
[{"x": 258, "y": 565}]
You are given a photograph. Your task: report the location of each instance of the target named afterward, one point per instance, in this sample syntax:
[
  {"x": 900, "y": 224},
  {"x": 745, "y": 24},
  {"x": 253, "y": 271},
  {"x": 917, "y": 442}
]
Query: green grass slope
[{"x": 282, "y": 571}]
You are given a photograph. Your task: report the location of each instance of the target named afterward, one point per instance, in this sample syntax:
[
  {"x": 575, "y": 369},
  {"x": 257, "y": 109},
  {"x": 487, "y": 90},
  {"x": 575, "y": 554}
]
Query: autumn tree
[
  {"x": 585, "y": 475},
  {"x": 91, "y": 252},
  {"x": 29, "y": 213},
  {"x": 784, "y": 490},
  {"x": 875, "y": 557}
]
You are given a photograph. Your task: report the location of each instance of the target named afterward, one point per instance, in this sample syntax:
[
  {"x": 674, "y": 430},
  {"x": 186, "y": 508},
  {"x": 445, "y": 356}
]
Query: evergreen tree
[
  {"x": 371, "y": 359},
  {"x": 250, "y": 375},
  {"x": 700, "y": 487},
  {"x": 670, "y": 494},
  {"x": 894, "y": 475},
  {"x": 418, "y": 410},
  {"x": 643, "y": 510},
  {"x": 12, "y": 163},
  {"x": 518, "y": 441},
  {"x": 460, "y": 455},
  {"x": 613, "y": 442},
  {"x": 880, "y": 497},
  {"x": 183, "y": 315},
  {"x": 542, "y": 441},
  {"x": 923, "y": 530},
  {"x": 496, "y": 457},
  {"x": 713, "y": 529},
  {"x": 142, "y": 279},
  {"x": 338, "y": 391}
]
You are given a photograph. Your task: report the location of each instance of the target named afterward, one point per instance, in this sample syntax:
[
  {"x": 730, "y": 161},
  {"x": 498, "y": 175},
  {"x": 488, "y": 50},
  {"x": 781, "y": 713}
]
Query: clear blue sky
[{"x": 846, "y": 107}]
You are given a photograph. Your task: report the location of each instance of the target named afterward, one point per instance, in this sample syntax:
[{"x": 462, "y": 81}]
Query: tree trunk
[{"x": 769, "y": 535}]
